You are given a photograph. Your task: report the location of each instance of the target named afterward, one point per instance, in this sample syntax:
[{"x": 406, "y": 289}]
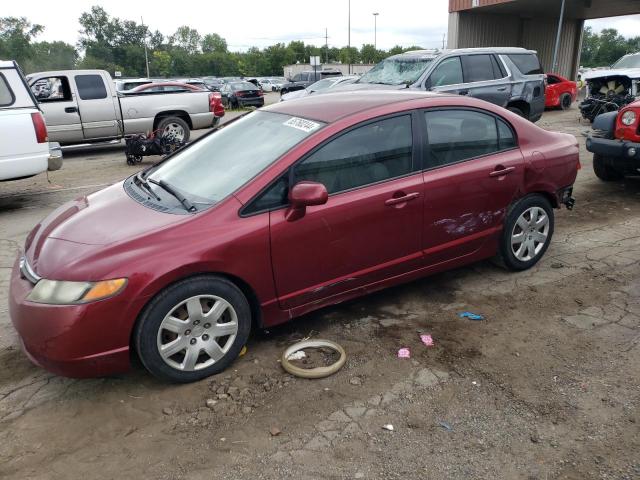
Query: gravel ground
[{"x": 545, "y": 387}]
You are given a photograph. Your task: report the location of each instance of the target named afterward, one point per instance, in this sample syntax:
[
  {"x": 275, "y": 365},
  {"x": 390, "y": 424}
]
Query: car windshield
[
  {"x": 397, "y": 71},
  {"x": 628, "y": 61},
  {"x": 219, "y": 164},
  {"x": 243, "y": 86},
  {"x": 322, "y": 84}
]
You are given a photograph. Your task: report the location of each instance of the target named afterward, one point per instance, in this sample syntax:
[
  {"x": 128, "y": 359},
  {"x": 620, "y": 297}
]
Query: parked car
[
  {"x": 128, "y": 83},
  {"x": 83, "y": 106},
  {"x": 213, "y": 84},
  {"x": 321, "y": 86},
  {"x": 615, "y": 143},
  {"x": 277, "y": 83},
  {"x": 26, "y": 150},
  {"x": 291, "y": 208},
  {"x": 610, "y": 89},
  {"x": 304, "y": 79},
  {"x": 241, "y": 94},
  {"x": 560, "y": 92},
  {"x": 267, "y": 85},
  {"x": 158, "y": 87},
  {"x": 509, "y": 77}
]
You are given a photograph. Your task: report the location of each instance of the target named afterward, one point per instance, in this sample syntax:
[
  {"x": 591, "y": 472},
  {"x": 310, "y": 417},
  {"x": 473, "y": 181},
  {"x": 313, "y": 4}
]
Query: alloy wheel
[
  {"x": 197, "y": 332},
  {"x": 530, "y": 234},
  {"x": 175, "y": 131}
]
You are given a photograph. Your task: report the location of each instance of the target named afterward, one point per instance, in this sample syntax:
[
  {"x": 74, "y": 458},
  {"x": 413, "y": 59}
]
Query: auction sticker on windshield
[{"x": 302, "y": 124}]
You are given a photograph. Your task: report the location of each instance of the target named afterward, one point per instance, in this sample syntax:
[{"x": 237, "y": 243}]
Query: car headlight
[
  {"x": 628, "y": 118},
  {"x": 57, "y": 292}
]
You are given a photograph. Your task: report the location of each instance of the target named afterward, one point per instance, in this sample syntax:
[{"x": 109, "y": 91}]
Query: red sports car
[
  {"x": 560, "y": 92},
  {"x": 291, "y": 208}
]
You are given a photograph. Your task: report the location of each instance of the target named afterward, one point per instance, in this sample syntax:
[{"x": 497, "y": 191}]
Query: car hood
[
  {"x": 350, "y": 87},
  {"x": 625, "y": 72},
  {"x": 88, "y": 224}
]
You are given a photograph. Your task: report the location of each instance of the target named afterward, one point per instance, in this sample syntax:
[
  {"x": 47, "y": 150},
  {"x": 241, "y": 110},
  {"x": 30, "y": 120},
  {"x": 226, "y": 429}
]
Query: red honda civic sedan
[{"x": 291, "y": 208}]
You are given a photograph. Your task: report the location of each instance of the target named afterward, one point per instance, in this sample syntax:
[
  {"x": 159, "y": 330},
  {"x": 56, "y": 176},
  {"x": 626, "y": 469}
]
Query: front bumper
[
  {"x": 69, "y": 340},
  {"x": 620, "y": 154}
]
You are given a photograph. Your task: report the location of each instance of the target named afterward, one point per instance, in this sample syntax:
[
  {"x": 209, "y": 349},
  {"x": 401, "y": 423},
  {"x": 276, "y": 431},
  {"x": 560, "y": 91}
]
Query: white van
[{"x": 25, "y": 149}]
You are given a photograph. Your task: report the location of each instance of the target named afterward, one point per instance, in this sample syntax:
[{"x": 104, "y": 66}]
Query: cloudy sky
[{"x": 401, "y": 22}]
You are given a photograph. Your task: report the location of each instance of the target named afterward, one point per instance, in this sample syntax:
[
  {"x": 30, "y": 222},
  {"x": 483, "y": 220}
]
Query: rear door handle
[
  {"x": 403, "y": 199},
  {"x": 501, "y": 89},
  {"x": 499, "y": 172},
  {"x": 463, "y": 92},
  {"x": 71, "y": 109}
]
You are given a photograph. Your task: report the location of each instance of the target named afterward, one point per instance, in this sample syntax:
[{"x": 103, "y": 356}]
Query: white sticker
[{"x": 302, "y": 124}]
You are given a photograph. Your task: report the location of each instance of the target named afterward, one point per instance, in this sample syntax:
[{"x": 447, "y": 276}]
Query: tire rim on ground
[
  {"x": 318, "y": 372},
  {"x": 530, "y": 234},
  {"x": 197, "y": 332}
]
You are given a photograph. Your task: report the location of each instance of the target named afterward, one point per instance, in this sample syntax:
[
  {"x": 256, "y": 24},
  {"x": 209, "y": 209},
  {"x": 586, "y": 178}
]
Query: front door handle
[
  {"x": 71, "y": 109},
  {"x": 403, "y": 199},
  {"x": 463, "y": 92},
  {"x": 500, "y": 172},
  {"x": 501, "y": 89}
]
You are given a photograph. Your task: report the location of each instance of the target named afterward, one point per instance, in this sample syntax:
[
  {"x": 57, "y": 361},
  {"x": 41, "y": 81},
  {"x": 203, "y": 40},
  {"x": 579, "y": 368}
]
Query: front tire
[
  {"x": 193, "y": 329},
  {"x": 603, "y": 171},
  {"x": 565, "y": 101},
  {"x": 527, "y": 232}
]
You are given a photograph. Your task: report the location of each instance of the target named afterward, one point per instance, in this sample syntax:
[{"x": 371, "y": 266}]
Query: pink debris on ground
[
  {"x": 404, "y": 353},
  {"x": 427, "y": 340}
]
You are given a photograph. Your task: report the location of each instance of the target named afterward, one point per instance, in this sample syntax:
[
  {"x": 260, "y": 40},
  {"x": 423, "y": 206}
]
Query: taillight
[
  {"x": 214, "y": 99},
  {"x": 239, "y": 94},
  {"x": 260, "y": 93},
  {"x": 40, "y": 127}
]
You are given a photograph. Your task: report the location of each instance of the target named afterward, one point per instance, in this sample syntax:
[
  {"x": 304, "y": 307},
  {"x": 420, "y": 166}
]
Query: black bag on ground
[{"x": 138, "y": 146}]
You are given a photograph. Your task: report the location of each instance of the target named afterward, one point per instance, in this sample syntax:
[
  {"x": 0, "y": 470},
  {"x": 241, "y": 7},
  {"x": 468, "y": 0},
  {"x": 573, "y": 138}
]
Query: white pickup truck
[
  {"x": 24, "y": 147},
  {"x": 83, "y": 106}
]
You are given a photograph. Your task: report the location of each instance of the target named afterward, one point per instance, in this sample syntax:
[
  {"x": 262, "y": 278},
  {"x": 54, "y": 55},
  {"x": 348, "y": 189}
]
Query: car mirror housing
[{"x": 305, "y": 194}]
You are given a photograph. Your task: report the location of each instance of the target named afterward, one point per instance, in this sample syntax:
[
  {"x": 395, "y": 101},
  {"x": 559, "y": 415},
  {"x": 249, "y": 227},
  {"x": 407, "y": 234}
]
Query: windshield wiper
[
  {"x": 139, "y": 180},
  {"x": 172, "y": 190}
]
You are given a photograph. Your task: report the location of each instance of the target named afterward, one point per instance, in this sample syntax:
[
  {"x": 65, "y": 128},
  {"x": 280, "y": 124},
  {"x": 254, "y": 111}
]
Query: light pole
[
  {"x": 375, "y": 30},
  {"x": 349, "y": 39}
]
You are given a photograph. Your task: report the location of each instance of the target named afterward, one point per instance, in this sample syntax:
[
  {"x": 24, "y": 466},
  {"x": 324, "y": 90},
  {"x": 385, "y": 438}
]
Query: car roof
[
  {"x": 462, "y": 51},
  {"x": 330, "y": 107}
]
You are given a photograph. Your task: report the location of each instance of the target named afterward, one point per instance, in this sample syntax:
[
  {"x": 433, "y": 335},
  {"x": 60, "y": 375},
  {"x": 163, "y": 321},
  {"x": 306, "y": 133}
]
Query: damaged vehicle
[
  {"x": 609, "y": 90},
  {"x": 615, "y": 143}
]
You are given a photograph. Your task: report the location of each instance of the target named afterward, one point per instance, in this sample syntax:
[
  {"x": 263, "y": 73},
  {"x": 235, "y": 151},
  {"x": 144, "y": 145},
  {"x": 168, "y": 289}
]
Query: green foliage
[
  {"x": 604, "y": 48},
  {"x": 15, "y": 38}
]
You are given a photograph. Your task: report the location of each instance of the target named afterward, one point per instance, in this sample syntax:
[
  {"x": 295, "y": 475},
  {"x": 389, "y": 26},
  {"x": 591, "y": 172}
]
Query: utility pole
[
  {"x": 349, "y": 40},
  {"x": 375, "y": 31},
  {"x": 444, "y": 35},
  {"x": 557, "y": 46},
  {"x": 146, "y": 54},
  {"x": 326, "y": 46}
]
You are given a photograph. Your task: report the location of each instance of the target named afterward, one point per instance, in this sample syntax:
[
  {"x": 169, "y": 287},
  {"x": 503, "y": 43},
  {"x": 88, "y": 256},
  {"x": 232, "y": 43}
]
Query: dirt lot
[{"x": 547, "y": 386}]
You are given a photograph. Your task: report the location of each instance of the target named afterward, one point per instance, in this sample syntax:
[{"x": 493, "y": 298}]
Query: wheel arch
[
  {"x": 172, "y": 113},
  {"x": 172, "y": 278},
  {"x": 522, "y": 105}
]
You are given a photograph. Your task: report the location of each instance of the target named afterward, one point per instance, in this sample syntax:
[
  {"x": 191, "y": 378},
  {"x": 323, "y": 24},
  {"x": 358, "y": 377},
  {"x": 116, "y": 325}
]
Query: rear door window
[
  {"x": 6, "y": 94},
  {"x": 527, "y": 63},
  {"x": 458, "y": 135},
  {"x": 448, "y": 72},
  {"x": 91, "y": 87},
  {"x": 477, "y": 68}
]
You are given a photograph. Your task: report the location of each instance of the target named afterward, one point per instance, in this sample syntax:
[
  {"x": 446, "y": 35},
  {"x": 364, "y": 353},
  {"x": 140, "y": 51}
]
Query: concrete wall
[
  {"x": 356, "y": 68},
  {"x": 471, "y": 29}
]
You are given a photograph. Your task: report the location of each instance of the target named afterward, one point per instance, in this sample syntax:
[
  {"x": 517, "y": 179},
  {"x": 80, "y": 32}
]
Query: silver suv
[{"x": 509, "y": 77}]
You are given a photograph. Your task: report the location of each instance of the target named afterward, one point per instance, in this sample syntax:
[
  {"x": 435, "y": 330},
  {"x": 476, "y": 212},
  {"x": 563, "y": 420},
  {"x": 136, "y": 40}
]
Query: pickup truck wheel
[
  {"x": 176, "y": 127},
  {"x": 565, "y": 101},
  {"x": 193, "y": 329},
  {"x": 603, "y": 171},
  {"x": 527, "y": 232}
]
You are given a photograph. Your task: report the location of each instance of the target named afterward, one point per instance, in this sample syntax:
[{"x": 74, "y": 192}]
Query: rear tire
[
  {"x": 603, "y": 171},
  {"x": 175, "y": 124},
  {"x": 527, "y": 233},
  {"x": 565, "y": 101},
  {"x": 517, "y": 111},
  {"x": 193, "y": 329}
]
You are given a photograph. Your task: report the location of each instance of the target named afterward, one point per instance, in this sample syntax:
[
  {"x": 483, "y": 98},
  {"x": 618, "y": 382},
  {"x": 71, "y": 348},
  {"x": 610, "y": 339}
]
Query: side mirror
[
  {"x": 303, "y": 195},
  {"x": 427, "y": 84}
]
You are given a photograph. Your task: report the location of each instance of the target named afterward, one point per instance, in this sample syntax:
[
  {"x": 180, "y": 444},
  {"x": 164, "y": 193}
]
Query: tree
[
  {"x": 187, "y": 39},
  {"x": 212, "y": 42},
  {"x": 16, "y": 35},
  {"x": 51, "y": 56}
]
